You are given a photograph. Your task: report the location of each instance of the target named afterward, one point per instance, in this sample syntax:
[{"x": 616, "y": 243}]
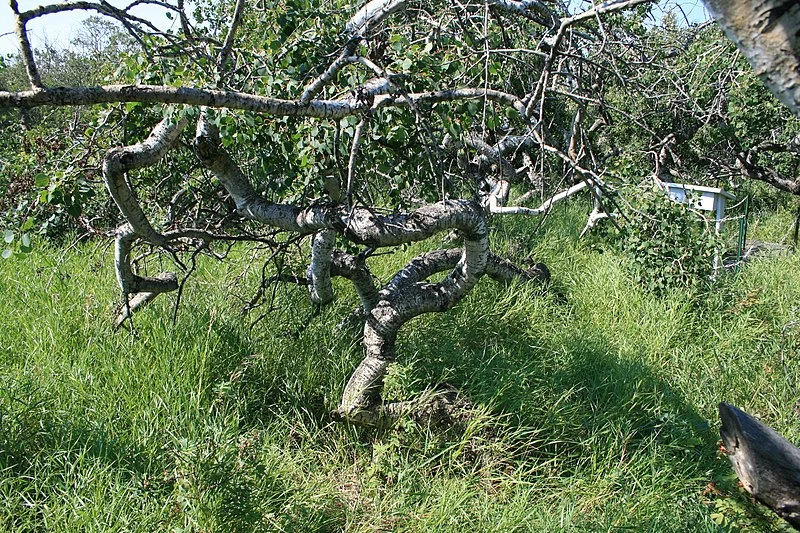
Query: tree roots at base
[{"x": 442, "y": 408}]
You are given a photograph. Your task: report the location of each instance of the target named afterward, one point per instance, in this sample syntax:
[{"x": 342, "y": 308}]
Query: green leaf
[
  {"x": 28, "y": 224},
  {"x": 26, "y": 240},
  {"x": 41, "y": 180}
]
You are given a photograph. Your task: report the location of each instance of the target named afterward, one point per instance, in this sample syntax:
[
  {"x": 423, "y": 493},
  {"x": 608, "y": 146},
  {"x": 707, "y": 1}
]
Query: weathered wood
[
  {"x": 767, "y": 464},
  {"x": 133, "y": 304},
  {"x": 766, "y": 32}
]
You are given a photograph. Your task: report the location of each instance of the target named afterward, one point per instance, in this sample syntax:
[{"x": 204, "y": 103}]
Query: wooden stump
[{"x": 767, "y": 464}]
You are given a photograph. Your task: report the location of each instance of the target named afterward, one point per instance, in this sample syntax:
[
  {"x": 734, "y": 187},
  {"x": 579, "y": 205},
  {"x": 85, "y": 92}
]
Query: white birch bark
[{"x": 768, "y": 32}]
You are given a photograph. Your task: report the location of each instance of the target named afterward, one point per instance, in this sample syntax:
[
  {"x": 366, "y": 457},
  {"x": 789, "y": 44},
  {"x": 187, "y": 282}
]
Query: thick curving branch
[
  {"x": 116, "y": 164},
  {"x": 748, "y": 166},
  {"x": 390, "y": 308},
  {"x": 129, "y": 282},
  {"x": 248, "y": 202},
  {"x": 364, "y": 226},
  {"x": 143, "y": 289},
  {"x": 118, "y": 161},
  {"x": 404, "y": 298},
  {"x": 408, "y": 295},
  {"x": 354, "y": 269},
  {"x": 497, "y": 268},
  {"x": 213, "y": 98}
]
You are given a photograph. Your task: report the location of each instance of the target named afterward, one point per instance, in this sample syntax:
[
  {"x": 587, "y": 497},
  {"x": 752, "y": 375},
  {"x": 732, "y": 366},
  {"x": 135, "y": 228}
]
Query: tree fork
[{"x": 403, "y": 298}]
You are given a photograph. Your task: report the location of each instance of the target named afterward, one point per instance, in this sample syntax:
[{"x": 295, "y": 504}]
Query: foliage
[
  {"x": 50, "y": 182},
  {"x": 669, "y": 244},
  {"x": 693, "y": 111},
  {"x": 693, "y": 89}
]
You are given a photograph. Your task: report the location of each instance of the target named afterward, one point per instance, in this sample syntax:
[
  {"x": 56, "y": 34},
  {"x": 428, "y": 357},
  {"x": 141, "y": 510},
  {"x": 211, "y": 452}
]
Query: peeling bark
[
  {"x": 118, "y": 161},
  {"x": 248, "y": 202},
  {"x": 767, "y": 32},
  {"x": 319, "y": 272},
  {"x": 767, "y": 464}
]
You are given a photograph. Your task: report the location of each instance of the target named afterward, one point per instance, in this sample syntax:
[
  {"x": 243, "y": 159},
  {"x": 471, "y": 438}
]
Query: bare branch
[
  {"x": 227, "y": 47},
  {"x": 544, "y": 208},
  {"x": 372, "y": 14},
  {"x": 25, "y": 48},
  {"x": 313, "y": 88}
]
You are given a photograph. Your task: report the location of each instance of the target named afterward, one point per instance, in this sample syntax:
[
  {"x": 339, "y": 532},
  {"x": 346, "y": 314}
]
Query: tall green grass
[{"x": 595, "y": 402}]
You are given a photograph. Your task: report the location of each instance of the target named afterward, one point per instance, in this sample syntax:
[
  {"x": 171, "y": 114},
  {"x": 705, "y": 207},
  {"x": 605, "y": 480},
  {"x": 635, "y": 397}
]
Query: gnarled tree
[{"x": 358, "y": 130}]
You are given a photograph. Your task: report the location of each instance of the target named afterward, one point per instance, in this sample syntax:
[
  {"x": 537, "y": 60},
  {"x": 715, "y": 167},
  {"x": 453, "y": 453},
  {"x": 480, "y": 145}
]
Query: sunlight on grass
[{"x": 595, "y": 401}]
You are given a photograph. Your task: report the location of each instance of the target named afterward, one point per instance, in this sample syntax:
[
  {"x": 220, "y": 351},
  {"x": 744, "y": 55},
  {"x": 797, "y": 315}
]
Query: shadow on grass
[
  {"x": 44, "y": 450},
  {"x": 574, "y": 387},
  {"x": 270, "y": 372},
  {"x": 33, "y": 427},
  {"x": 224, "y": 477},
  {"x": 586, "y": 402}
]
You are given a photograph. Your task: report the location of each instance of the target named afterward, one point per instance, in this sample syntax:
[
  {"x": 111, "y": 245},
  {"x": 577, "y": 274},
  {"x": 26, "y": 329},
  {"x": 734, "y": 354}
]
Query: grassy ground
[{"x": 596, "y": 402}]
